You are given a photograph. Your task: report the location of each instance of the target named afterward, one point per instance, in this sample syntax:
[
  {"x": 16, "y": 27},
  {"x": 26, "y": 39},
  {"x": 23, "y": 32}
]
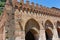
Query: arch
[
  {"x": 32, "y": 35},
  {"x": 31, "y": 23},
  {"x": 58, "y": 28},
  {"x": 48, "y": 30},
  {"x": 29, "y": 36},
  {"x": 35, "y": 29},
  {"x": 48, "y": 24},
  {"x": 58, "y": 24},
  {"x": 32, "y": 26},
  {"x": 49, "y": 34}
]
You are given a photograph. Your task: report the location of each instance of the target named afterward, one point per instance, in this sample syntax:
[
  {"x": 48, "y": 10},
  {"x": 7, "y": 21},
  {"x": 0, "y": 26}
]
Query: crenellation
[
  {"x": 32, "y": 4},
  {"x": 37, "y": 19},
  {"x": 22, "y": 2},
  {"x": 36, "y": 8},
  {"x": 45, "y": 10}
]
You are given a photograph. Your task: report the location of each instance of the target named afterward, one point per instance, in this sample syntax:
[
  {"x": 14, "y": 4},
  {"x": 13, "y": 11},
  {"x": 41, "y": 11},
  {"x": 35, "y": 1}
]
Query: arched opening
[
  {"x": 31, "y": 34},
  {"x": 48, "y": 30},
  {"x": 30, "y": 24},
  {"x": 58, "y": 28},
  {"x": 49, "y": 34},
  {"x": 48, "y": 24}
]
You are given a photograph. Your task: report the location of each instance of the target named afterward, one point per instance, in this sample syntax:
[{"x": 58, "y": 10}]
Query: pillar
[
  {"x": 18, "y": 35},
  {"x": 55, "y": 34},
  {"x": 42, "y": 34},
  {"x": 23, "y": 35}
]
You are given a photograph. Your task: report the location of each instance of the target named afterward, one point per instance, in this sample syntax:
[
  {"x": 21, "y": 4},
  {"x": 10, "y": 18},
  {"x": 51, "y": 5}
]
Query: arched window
[
  {"x": 49, "y": 34},
  {"x": 58, "y": 24},
  {"x": 31, "y": 23},
  {"x": 48, "y": 24},
  {"x": 58, "y": 28},
  {"x": 48, "y": 30}
]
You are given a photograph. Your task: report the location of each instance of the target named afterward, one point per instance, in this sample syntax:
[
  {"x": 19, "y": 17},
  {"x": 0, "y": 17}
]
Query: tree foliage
[
  {"x": 2, "y": 3},
  {"x": 3, "y": 0}
]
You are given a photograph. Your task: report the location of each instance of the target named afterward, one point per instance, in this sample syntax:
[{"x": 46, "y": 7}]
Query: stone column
[
  {"x": 17, "y": 31},
  {"x": 42, "y": 34},
  {"x": 55, "y": 34},
  {"x": 23, "y": 35},
  {"x": 17, "y": 35}
]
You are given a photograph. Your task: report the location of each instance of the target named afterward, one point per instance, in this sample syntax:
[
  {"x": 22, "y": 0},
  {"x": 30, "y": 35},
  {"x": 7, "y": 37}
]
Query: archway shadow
[{"x": 29, "y": 36}]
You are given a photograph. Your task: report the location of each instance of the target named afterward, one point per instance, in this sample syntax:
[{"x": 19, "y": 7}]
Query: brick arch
[
  {"x": 34, "y": 33},
  {"x": 32, "y": 26},
  {"x": 48, "y": 24},
  {"x": 35, "y": 29},
  {"x": 58, "y": 24},
  {"x": 49, "y": 34},
  {"x": 48, "y": 30},
  {"x": 58, "y": 28},
  {"x": 31, "y": 23},
  {"x": 32, "y": 29}
]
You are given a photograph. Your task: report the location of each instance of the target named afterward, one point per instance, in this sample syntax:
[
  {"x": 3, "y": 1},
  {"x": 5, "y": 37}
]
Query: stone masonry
[{"x": 25, "y": 21}]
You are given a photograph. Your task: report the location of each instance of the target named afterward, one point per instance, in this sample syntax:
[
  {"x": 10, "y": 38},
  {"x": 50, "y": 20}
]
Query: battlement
[{"x": 35, "y": 8}]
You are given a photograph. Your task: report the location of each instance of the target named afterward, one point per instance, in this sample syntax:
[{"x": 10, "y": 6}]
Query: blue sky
[{"x": 47, "y": 3}]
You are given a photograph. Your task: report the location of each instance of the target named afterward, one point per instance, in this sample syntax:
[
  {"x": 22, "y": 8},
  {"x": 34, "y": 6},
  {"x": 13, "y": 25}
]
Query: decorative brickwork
[{"x": 25, "y": 21}]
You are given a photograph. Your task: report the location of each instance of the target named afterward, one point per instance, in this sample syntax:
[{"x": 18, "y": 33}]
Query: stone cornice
[{"x": 38, "y": 9}]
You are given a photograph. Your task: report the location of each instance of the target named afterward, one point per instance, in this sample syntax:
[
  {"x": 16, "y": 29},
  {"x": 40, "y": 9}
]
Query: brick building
[{"x": 24, "y": 21}]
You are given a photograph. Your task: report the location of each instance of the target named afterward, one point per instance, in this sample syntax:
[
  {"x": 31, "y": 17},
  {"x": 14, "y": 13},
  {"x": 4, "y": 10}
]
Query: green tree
[
  {"x": 3, "y": 0},
  {"x": 2, "y": 3}
]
